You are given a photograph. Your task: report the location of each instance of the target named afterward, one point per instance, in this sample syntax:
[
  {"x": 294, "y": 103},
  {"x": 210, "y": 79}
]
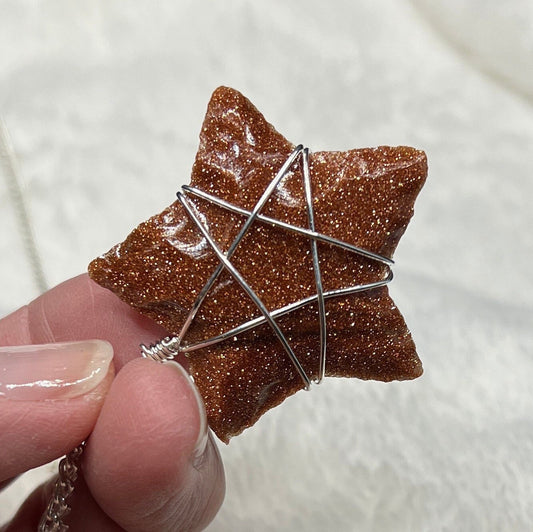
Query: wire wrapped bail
[{"x": 165, "y": 349}]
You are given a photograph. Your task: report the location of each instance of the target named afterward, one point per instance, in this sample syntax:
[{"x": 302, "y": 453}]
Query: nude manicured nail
[
  {"x": 53, "y": 371},
  {"x": 201, "y": 441}
]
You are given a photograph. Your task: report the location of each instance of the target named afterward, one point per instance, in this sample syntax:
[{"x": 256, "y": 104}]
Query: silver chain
[
  {"x": 58, "y": 508},
  {"x": 10, "y": 168}
]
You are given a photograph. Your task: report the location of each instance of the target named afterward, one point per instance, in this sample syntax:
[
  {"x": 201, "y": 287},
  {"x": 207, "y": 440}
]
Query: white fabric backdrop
[{"x": 104, "y": 102}]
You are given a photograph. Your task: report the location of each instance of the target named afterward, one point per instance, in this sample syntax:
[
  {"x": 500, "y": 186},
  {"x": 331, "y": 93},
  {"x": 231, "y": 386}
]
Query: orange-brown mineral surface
[{"x": 364, "y": 197}]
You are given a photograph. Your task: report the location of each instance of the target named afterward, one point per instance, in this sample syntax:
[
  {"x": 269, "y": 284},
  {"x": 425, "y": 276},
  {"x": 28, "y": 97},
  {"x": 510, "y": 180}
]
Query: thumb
[
  {"x": 50, "y": 397},
  {"x": 149, "y": 462}
]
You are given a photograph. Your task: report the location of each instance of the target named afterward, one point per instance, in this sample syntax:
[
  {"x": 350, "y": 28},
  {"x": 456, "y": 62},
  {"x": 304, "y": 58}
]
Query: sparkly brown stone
[{"x": 364, "y": 197}]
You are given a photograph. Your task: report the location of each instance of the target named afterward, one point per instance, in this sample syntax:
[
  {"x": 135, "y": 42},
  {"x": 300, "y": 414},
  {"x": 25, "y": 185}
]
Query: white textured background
[{"x": 104, "y": 101}]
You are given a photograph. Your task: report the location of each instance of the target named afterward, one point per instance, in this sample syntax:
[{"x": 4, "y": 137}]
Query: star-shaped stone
[{"x": 361, "y": 197}]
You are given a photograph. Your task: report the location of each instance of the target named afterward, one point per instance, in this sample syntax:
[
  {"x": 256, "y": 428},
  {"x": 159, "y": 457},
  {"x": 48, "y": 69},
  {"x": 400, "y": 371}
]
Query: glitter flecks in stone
[{"x": 364, "y": 197}]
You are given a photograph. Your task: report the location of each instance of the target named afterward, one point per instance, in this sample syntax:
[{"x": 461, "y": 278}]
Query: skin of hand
[{"x": 150, "y": 463}]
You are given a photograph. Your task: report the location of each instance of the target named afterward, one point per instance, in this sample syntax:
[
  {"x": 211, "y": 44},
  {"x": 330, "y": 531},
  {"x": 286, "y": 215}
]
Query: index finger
[{"x": 79, "y": 309}]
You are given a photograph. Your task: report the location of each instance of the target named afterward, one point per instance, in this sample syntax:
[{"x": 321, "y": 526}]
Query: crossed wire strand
[{"x": 171, "y": 346}]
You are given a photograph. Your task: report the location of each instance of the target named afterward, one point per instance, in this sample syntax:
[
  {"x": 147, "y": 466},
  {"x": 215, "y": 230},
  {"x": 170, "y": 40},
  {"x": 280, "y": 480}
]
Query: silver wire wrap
[
  {"x": 169, "y": 347},
  {"x": 58, "y": 508}
]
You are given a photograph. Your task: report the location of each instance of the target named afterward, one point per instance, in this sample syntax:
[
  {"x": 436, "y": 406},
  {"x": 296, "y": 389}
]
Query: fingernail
[
  {"x": 201, "y": 441},
  {"x": 53, "y": 371}
]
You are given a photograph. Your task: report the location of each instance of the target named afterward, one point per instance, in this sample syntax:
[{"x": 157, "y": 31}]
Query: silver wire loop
[
  {"x": 169, "y": 347},
  {"x": 165, "y": 349}
]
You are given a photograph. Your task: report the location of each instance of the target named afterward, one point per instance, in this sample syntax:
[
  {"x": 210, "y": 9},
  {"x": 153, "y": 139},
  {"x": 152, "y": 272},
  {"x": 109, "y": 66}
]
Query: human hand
[{"x": 149, "y": 463}]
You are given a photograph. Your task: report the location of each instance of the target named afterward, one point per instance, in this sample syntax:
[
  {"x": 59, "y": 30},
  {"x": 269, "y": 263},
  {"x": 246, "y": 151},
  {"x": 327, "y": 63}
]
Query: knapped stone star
[{"x": 361, "y": 197}]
